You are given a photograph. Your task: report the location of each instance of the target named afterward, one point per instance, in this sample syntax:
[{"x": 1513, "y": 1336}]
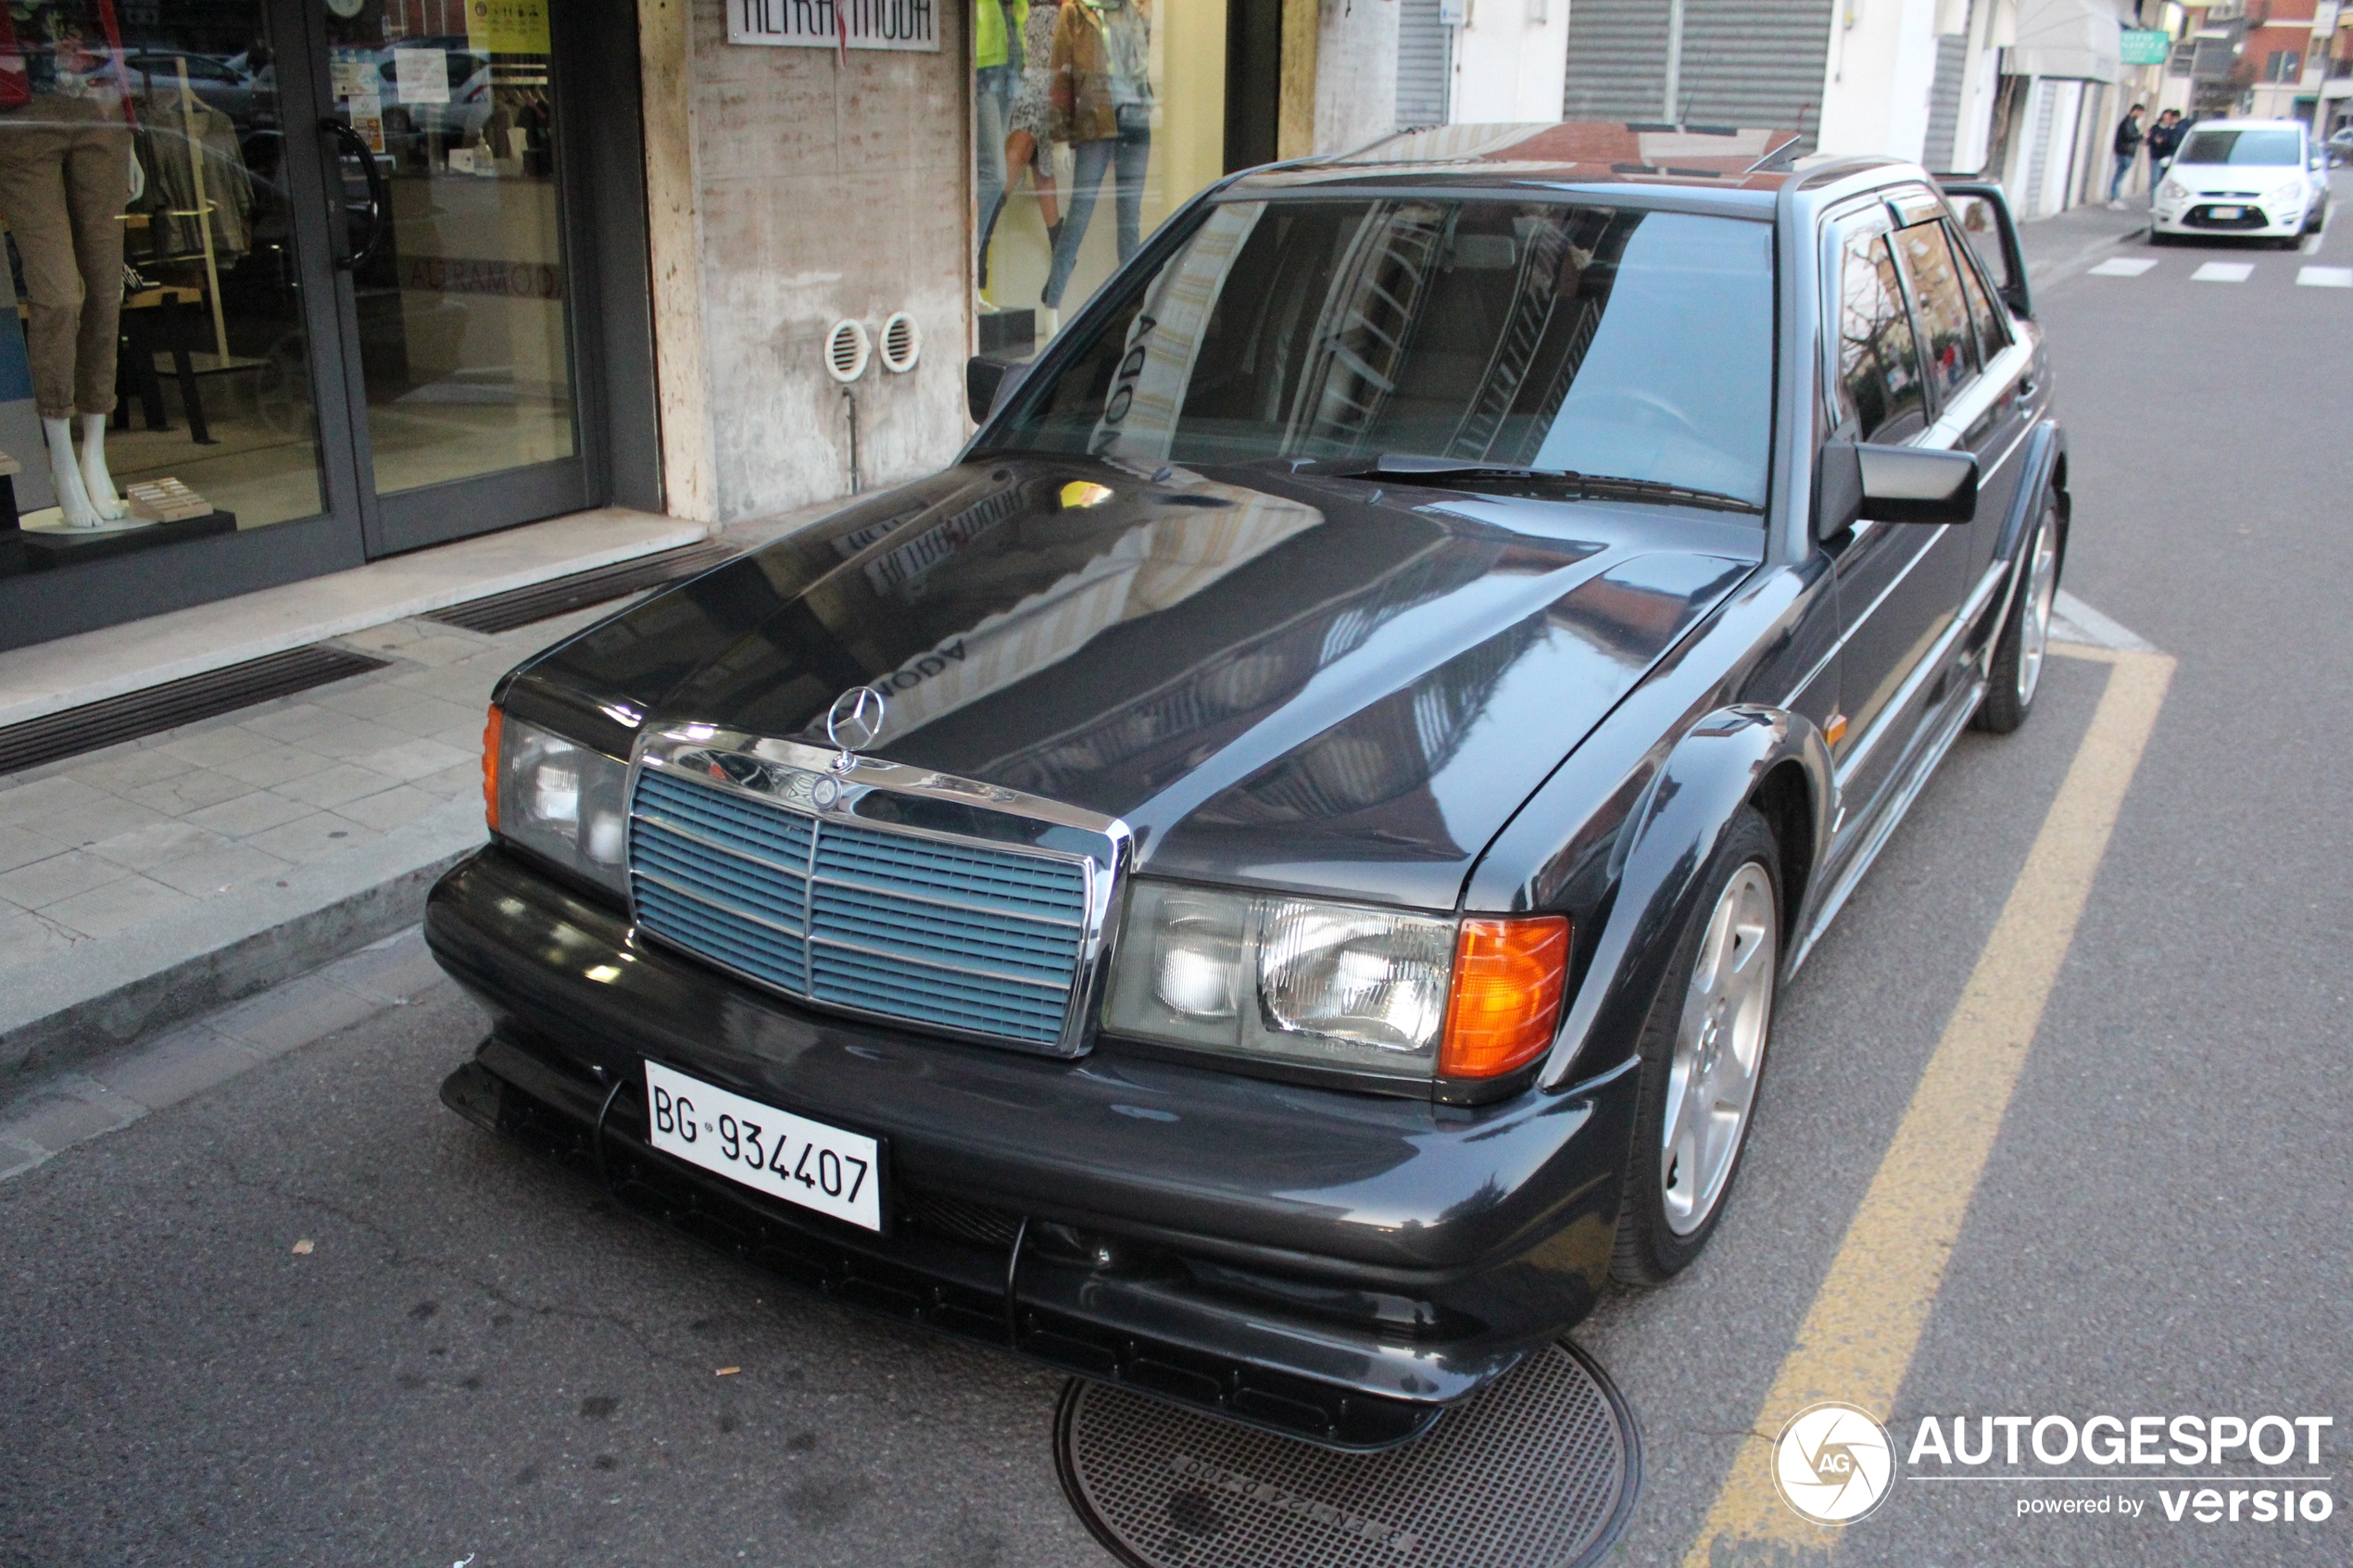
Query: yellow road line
[{"x": 1859, "y": 1335}]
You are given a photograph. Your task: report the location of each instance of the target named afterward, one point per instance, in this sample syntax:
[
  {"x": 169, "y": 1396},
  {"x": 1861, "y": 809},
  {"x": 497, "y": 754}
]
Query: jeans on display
[
  {"x": 1127, "y": 155},
  {"x": 992, "y": 101}
]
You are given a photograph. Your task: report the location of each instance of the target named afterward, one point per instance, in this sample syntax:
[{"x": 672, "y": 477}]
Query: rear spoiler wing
[{"x": 1985, "y": 217}]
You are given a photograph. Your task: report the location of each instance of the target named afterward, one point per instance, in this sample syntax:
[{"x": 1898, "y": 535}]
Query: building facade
[{"x": 407, "y": 271}]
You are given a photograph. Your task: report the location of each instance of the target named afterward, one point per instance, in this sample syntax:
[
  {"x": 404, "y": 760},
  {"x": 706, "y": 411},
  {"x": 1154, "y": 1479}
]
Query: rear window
[{"x": 2269, "y": 149}]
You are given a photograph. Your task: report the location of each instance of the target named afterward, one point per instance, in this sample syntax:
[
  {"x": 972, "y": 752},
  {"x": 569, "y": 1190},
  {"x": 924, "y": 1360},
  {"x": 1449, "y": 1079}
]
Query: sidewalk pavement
[
  {"x": 2065, "y": 243},
  {"x": 163, "y": 878}
]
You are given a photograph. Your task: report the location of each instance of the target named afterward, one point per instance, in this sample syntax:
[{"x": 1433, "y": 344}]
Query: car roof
[
  {"x": 2249, "y": 125},
  {"x": 1746, "y": 165}
]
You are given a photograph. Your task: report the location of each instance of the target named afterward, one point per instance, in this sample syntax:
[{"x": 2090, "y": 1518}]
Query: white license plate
[
  {"x": 2229, "y": 213},
  {"x": 766, "y": 1149}
]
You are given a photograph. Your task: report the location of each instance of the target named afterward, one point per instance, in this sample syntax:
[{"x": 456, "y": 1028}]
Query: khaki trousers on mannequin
[{"x": 65, "y": 174}]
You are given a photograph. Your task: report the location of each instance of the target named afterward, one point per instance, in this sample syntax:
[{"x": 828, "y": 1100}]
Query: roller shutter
[
  {"x": 1616, "y": 60},
  {"x": 1754, "y": 64},
  {"x": 1424, "y": 50},
  {"x": 1757, "y": 63},
  {"x": 1944, "y": 101}
]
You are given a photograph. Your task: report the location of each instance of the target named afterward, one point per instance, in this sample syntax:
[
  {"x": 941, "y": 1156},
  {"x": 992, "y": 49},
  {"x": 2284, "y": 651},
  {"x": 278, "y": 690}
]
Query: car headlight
[
  {"x": 2174, "y": 191},
  {"x": 2287, "y": 195},
  {"x": 566, "y": 801},
  {"x": 1314, "y": 984}
]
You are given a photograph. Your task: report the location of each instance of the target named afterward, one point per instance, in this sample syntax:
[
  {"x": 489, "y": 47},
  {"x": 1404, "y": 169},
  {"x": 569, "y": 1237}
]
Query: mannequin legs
[
  {"x": 64, "y": 476},
  {"x": 95, "y": 480}
]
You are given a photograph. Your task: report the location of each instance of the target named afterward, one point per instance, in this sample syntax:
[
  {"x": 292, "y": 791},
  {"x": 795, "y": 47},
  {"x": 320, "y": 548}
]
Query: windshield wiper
[{"x": 1411, "y": 469}]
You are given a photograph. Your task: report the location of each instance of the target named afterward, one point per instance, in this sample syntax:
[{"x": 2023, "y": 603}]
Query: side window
[
  {"x": 1878, "y": 377},
  {"x": 1983, "y": 234},
  {"x": 1992, "y": 321},
  {"x": 1934, "y": 275}
]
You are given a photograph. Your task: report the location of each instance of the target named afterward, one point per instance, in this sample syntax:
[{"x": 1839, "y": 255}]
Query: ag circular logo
[{"x": 1833, "y": 1463}]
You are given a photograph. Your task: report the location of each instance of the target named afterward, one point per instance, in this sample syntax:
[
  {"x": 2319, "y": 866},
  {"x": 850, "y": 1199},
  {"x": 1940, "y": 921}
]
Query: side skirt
[{"x": 1890, "y": 815}]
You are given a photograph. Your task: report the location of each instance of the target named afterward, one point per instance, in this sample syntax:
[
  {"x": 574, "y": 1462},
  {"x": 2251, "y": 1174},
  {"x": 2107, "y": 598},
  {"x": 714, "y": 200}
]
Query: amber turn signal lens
[
  {"x": 490, "y": 767},
  {"x": 1507, "y": 994}
]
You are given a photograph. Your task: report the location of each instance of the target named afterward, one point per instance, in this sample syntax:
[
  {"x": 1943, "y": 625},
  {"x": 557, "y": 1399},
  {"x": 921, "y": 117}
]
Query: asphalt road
[{"x": 475, "y": 1359}]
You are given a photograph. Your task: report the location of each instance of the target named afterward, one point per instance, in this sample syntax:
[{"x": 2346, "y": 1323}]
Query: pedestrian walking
[
  {"x": 2128, "y": 147},
  {"x": 2165, "y": 136}
]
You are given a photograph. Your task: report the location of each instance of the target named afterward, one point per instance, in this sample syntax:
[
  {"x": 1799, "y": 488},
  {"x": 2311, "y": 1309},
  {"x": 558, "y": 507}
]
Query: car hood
[
  {"x": 1315, "y": 684},
  {"x": 2235, "y": 179}
]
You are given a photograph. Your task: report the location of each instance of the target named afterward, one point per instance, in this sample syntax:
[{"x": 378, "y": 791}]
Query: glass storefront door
[
  {"x": 458, "y": 272},
  {"x": 282, "y": 265}
]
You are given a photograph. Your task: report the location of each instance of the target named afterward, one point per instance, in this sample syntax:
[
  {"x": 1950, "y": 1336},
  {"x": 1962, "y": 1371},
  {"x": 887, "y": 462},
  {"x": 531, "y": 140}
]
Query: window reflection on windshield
[
  {"x": 2268, "y": 148},
  {"x": 1607, "y": 340}
]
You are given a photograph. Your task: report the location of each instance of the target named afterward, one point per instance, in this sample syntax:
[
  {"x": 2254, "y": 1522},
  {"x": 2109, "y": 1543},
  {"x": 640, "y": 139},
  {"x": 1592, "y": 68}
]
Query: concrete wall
[
  {"x": 1511, "y": 62},
  {"x": 1883, "y": 62},
  {"x": 1355, "y": 73},
  {"x": 789, "y": 190}
]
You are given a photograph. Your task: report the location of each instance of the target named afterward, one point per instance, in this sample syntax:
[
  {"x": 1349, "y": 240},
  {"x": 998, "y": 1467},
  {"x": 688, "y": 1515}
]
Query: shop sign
[
  {"x": 836, "y": 24},
  {"x": 2146, "y": 47}
]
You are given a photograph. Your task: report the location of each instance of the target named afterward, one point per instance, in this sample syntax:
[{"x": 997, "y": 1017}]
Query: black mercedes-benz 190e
[{"x": 1266, "y": 882}]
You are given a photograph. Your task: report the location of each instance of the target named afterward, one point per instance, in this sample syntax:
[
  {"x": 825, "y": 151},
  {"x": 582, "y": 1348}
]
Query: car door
[
  {"x": 1979, "y": 377},
  {"x": 1899, "y": 584}
]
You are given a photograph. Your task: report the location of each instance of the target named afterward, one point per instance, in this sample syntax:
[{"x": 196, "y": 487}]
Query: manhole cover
[{"x": 1537, "y": 1471}]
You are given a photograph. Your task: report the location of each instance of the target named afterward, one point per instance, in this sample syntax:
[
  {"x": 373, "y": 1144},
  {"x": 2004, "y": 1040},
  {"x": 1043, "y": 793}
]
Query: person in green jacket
[{"x": 995, "y": 70}]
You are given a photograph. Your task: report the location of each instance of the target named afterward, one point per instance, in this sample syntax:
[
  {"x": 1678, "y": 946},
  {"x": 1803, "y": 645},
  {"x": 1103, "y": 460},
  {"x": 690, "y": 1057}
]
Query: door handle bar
[{"x": 378, "y": 196}]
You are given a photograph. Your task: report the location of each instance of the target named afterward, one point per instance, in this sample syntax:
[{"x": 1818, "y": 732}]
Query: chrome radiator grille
[{"x": 943, "y": 932}]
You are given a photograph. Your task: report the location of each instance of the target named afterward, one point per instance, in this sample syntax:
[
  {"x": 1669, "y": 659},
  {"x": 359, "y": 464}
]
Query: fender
[
  {"x": 2046, "y": 449},
  {"x": 1680, "y": 818}
]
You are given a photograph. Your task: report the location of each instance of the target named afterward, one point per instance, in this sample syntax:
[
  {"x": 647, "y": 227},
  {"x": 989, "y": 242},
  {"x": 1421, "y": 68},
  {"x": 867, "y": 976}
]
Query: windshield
[
  {"x": 1604, "y": 340},
  {"x": 2265, "y": 147}
]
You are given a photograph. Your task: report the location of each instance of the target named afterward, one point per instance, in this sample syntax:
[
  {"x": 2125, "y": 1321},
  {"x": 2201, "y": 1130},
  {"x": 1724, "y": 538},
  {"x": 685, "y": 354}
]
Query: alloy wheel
[
  {"x": 1719, "y": 1048},
  {"x": 2042, "y": 589}
]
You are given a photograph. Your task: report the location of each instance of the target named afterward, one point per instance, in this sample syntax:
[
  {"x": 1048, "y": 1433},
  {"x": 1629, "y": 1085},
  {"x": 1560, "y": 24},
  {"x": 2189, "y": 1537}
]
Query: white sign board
[
  {"x": 836, "y": 24},
  {"x": 422, "y": 75}
]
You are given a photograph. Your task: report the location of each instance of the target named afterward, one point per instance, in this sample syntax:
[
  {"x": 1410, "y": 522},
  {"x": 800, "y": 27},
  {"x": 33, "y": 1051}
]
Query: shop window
[{"x": 1093, "y": 121}]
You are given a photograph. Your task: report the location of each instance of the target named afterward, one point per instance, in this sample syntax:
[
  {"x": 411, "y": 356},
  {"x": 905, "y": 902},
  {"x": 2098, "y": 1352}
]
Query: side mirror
[
  {"x": 987, "y": 381},
  {"x": 1891, "y": 484}
]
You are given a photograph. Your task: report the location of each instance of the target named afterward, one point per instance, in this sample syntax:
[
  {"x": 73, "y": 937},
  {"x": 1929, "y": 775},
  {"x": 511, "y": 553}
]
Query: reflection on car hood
[
  {"x": 2231, "y": 179},
  {"x": 1279, "y": 680}
]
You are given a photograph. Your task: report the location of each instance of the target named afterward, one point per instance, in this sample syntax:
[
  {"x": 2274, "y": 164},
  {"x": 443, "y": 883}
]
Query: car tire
[
  {"x": 2023, "y": 648},
  {"x": 1705, "y": 1041}
]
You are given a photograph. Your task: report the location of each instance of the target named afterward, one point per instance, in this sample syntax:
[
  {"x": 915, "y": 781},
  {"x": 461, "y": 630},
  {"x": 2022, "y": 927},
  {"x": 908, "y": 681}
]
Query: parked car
[
  {"x": 1267, "y": 880},
  {"x": 218, "y": 84},
  {"x": 2262, "y": 178},
  {"x": 2340, "y": 146}
]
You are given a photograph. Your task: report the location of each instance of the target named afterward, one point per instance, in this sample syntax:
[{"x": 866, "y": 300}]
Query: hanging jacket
[{"x": 1092, "y": 46}]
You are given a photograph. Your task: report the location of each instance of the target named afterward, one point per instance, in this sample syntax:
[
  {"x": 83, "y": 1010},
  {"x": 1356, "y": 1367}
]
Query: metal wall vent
[
  {"x": 520, "y": 607},
  {"x": 847, "y": 348},
  {"x": 96, "y": 725},
  {"x": 902, "y": 342},
  {"x": 1538, "y": 1470}
]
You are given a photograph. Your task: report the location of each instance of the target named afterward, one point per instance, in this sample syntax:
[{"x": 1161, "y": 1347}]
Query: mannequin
[
  {"x": 1103, "y": 106},
  {"x": 1029, "y": 133},
  {"x": 65, "y": 176}
]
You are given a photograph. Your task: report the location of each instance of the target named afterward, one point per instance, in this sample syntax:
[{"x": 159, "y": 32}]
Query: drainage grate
[
  {"x": 74, "y": 731},
  {"x": 520, "y": 607},
  {"x": 1538, "y": 1470}
]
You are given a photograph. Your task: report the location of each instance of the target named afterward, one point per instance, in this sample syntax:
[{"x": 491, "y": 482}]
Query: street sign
[{"x": 2145, "y": 46}]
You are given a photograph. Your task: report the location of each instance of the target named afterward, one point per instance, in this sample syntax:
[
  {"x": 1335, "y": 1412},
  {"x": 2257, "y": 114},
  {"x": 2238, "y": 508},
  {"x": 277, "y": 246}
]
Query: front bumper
[
  {"x": 2257, "y": 218},
  {"x": 1332, "y": 1264}
]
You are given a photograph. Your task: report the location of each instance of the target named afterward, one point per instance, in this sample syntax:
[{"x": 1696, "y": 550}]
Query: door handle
[{"x": 377, "y": 197}]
